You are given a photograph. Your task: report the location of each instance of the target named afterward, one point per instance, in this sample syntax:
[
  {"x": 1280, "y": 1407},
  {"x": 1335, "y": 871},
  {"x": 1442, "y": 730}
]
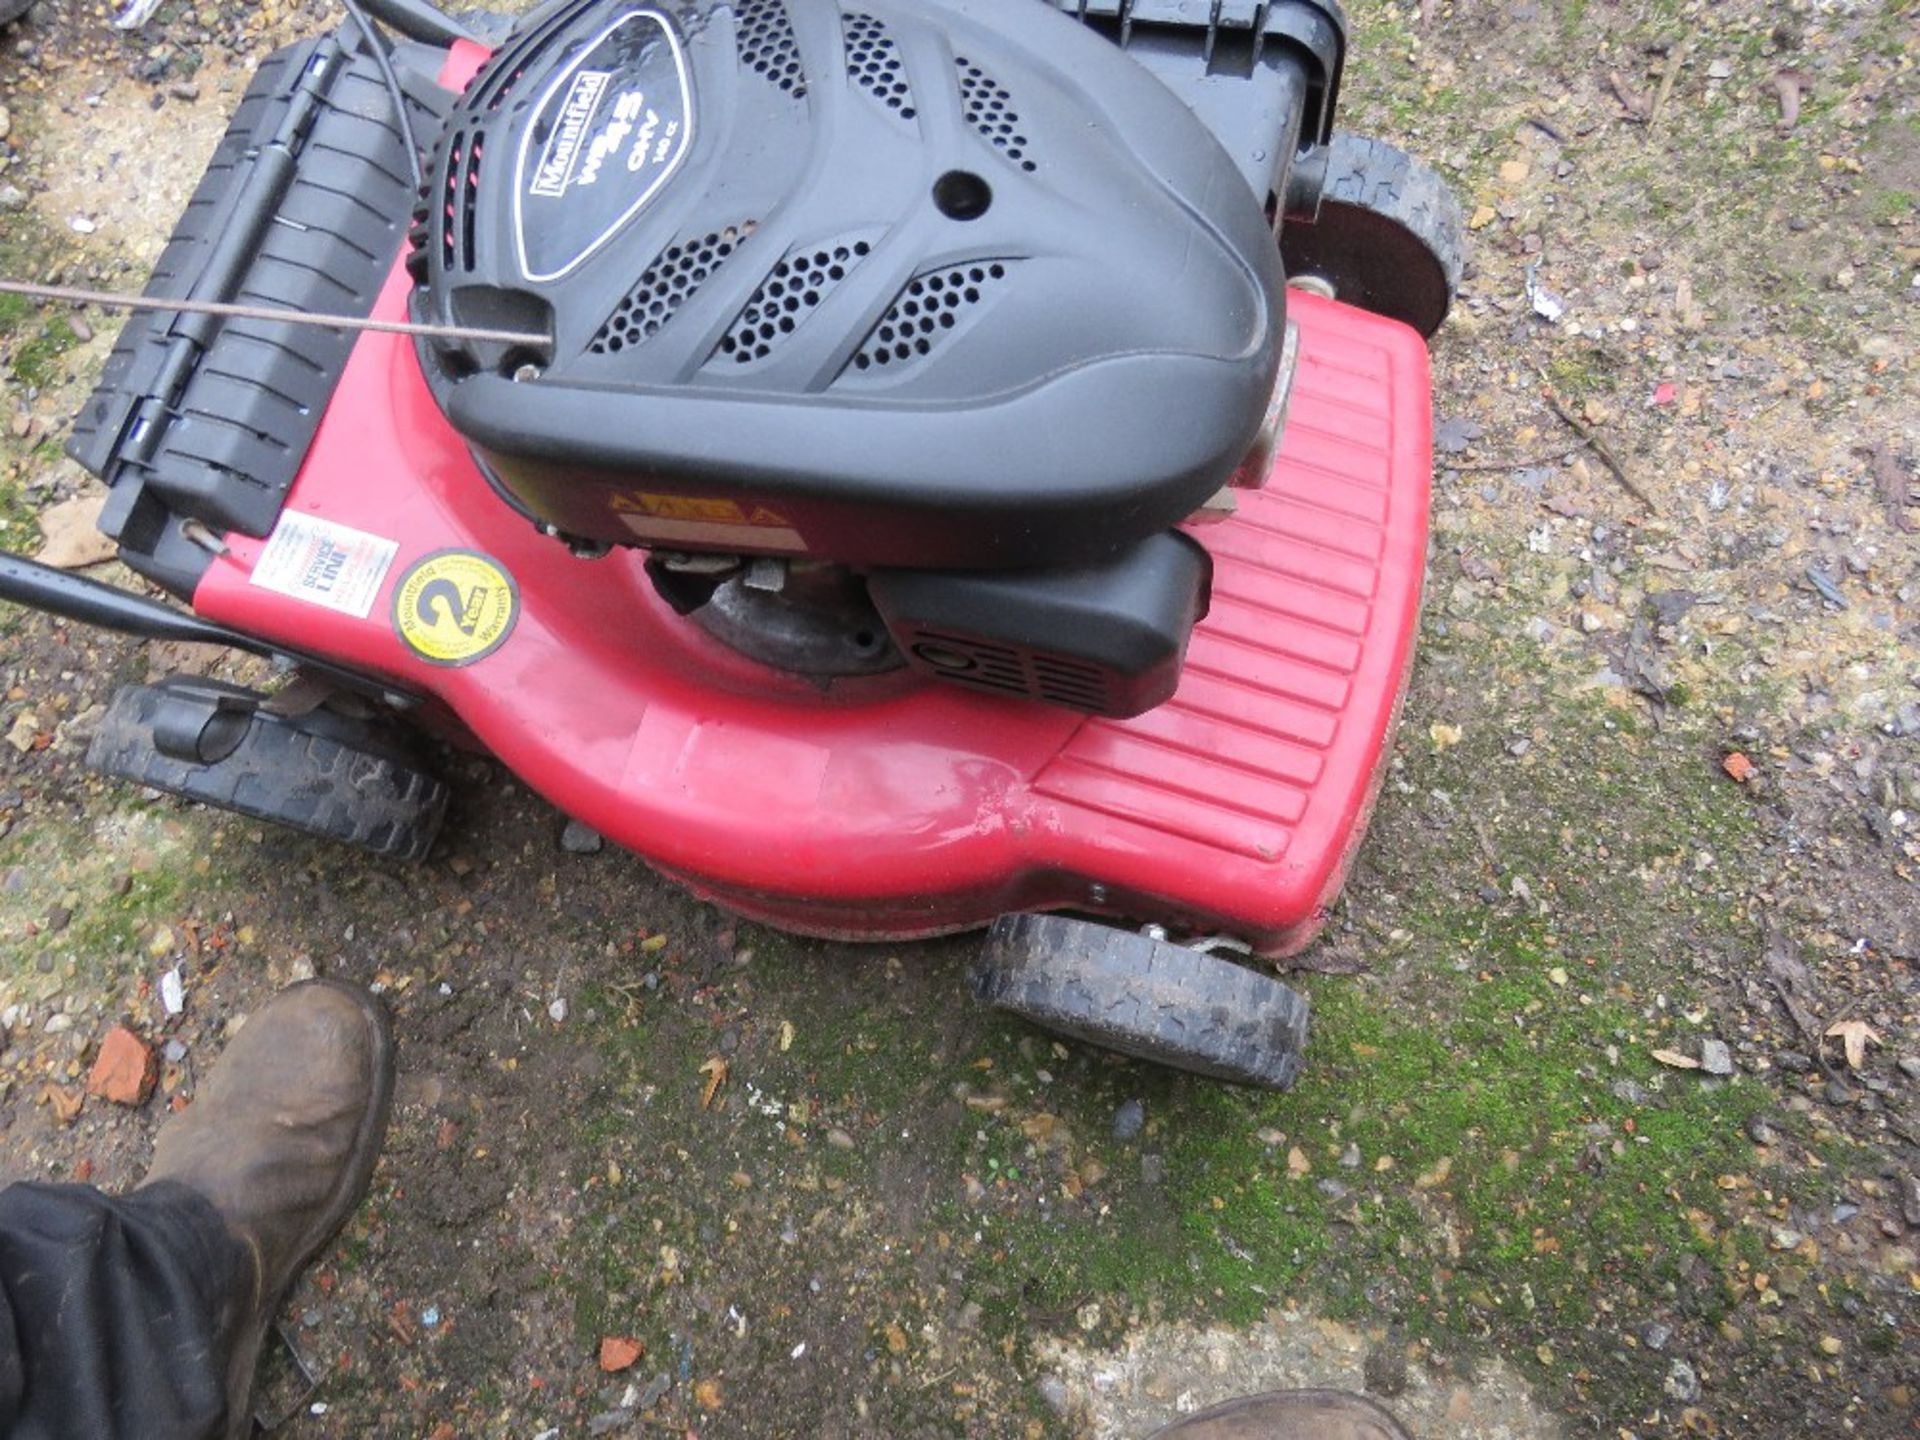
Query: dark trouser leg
[{"x": 113, "y": 1311}]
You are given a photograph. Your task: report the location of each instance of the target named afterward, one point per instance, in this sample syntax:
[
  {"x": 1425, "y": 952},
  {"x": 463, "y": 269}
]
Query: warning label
[
  {"x": 706, "y": 521},
  {"x": 324, "y": 563},
  {"x": 455, "y": 607}
]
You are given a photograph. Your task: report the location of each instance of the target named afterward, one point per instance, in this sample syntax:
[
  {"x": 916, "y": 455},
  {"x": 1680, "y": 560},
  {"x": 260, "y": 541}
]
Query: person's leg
[
  {"x": 116, "y": 1312},
  {"x": 142, "y": 1318}
]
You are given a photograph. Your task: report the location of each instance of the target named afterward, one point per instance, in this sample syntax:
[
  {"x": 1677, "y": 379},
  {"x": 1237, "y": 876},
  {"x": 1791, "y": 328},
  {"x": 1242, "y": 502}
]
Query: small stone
[
  {"x": 126, "y": 1069},
  {"x": 58, "y": 1024},
  {"x": 1910, "y": 1199},
  {"x": 162, "y": 942},
  {"x": 578, "y": 839},
  {"x": 174, "y": 1050},
  {"x": 1909, "y": 1066},
  {"x": 1153, "y": 1169},
  {"x": 173, "y": 994},
  {"x": 1385, "y": 1369},
  {"x": 656, "y": 1387},
  {"x": 1630, "y": 1091},
  {"x": 1793, "y": 1061},
  {"x": 839, "y": 1139},
  {"x": 1836, "y": 1093},
  {"x": 1759, "y": 1131},
  {"x": 1350, "y": 1157},
  {"x": 1129, "y": 1120},
  {"x": 557, "y": 1010},
  {"x": 12, "y": 197},
  {"x": 1785, "y": 1238},
  {"x": 1682, "y": 1383},
  {"x": 1715, "y": 1057},
  {"x": 1053, "y": 1390},
  {"x": 6, "y": 122},
  {"x": 1830, "y": 1345},
  {"x": 184, "y": 90},
  {"x": 1655, "y": 1336}
]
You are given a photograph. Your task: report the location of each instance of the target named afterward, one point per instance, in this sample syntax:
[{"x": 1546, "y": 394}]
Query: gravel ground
[{"x": 1581, "y": 1148}]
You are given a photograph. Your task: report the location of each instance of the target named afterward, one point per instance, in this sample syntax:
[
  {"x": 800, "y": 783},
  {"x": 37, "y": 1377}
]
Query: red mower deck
[{"x": 895, "y": 807}]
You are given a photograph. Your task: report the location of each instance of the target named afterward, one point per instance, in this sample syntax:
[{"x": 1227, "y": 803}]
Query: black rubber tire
[
  {"x": 1147, "y": 998},
  {"x": 1390, "y": 237},
  {"x": 321, "y": 773}
]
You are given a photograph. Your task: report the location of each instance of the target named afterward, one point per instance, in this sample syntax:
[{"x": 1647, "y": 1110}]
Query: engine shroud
[{"x": 954, "y": 284}]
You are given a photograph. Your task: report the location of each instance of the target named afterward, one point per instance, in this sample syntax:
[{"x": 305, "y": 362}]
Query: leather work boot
[
  {"x": 282, "y": 1140},
  {"x": 1288, "y": 1415}
]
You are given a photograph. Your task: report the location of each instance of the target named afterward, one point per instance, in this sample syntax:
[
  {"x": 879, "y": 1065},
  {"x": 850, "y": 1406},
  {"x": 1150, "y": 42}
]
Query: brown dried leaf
[
  {"x": 73, "y": 539},
  {"x": 64, "y": 1103},
  {"x": 1327, "y": 960},
  {"x": 1039, "y": 1127},
  {"x": 1676, "y": 1060},
  {"x": 1790, "y": 85},
  {"x": 1854, "y": 1037},
  {"x": 1890, "y": 477},
  {"x": 716, "y": 1072}
]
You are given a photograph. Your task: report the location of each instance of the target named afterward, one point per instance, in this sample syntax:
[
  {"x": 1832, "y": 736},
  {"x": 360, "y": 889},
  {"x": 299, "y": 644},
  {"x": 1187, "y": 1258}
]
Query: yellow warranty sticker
[{"x": 455, "y": 607}]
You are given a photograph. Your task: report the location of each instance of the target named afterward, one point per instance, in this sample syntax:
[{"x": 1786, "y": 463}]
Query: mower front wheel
[
  {"x": 1389, "y": 237},
  {"x": 1148, "y": 998},
  {"x": 323, "y": 772}
]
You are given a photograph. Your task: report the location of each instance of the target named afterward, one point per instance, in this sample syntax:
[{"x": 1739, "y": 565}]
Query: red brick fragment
[
  {"x": 617, "y": 1352},
  {"x": 126, "y": 1069}
]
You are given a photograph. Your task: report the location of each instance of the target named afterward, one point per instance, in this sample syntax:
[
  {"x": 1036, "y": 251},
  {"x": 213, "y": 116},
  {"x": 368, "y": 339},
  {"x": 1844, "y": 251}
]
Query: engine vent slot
[
  {"x": 791, "y": 292},
  {"x": 927, "y": 312},
  {"x": 496, "y": 82},
  {"x": 768, "y": 47},
  {"x": 989, "y": 109},
  {"x": 987, "y": 665},
  {"x": 470, "y": 201},
  {"x": 667, "y": 284},
  {"x": 873, "y": 60},
  {"x": 450, "y": 201}
]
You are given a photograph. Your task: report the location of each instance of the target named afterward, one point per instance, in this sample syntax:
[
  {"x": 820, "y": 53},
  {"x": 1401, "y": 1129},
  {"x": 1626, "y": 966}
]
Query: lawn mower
[{"x": 899, "y": 466}]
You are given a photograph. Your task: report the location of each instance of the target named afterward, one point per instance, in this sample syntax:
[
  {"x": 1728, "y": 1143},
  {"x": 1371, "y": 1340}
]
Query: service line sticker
[{"x": 324, "y": 563}]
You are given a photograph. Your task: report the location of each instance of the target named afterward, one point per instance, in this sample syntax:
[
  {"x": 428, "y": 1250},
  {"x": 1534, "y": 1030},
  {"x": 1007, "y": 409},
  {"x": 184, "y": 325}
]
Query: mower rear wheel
[
  {"x": 1389, "y": 238},
  {"x": 1147, "y": 998},
  {"x": 321, "y": 772}
]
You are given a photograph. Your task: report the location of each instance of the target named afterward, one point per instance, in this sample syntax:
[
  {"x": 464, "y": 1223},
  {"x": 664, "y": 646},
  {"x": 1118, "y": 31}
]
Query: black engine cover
[{"x": 952, "y": 283}]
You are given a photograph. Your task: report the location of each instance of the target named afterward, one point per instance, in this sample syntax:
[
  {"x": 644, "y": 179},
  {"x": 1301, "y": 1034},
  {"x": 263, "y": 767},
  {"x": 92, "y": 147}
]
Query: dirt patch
[{"x": 121, "y": 161}]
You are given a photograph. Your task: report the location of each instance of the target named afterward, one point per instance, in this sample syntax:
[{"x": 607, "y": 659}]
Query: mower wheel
[
  {"x": 322, "y": 772},
  {"x": 1389, "y": 238},
  {"x": 1147, "y": 998}
]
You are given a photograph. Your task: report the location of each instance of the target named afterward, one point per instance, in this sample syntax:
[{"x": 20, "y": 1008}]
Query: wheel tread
[
  {"x": 310, "y": 782},
  {"x": 1150, "y": 999}
]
